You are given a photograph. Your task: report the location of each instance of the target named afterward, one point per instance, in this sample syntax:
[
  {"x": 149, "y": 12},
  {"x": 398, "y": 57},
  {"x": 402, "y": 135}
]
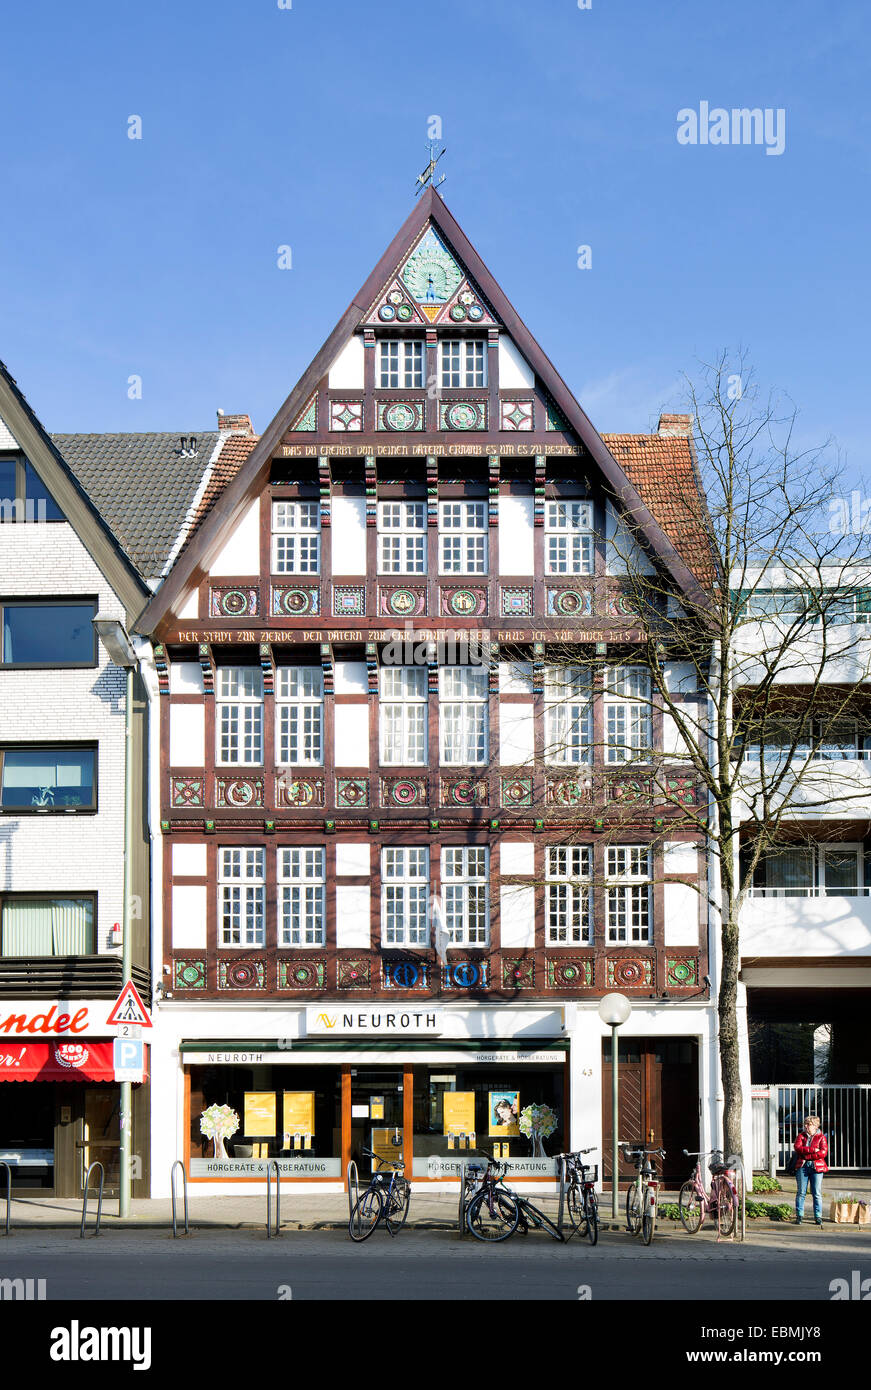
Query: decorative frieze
[
  {"x": 569, "y": 603},
  {"x": 402, "y": 973},
  {"x": 353, "y": 974},
  {"x": 403, "y": 792},
  {"x": 515, "y": 601},
  {"x": 298, "y": 791},
  {"x": 352, "y": 792},
  {"x": 346, "y": 417},
  {"x": 629, "y": 972},
  {"x": 302, "y": 974},
  {"x": 681, "y": 972},
  {"x": 569, "y": 973},
  {"x": 518, "y": 973},
  {"x": 400, "y": 415},
  {"x": 462, "y": 415},
  {"x": 241, "y": 974},
  {"x": 349, "y": 600},
  {"x": 568, "y": 791},
  {"x": 467, "y": 602},
  {"x": 465, "y": 975},
  {"x": 239, "y": 792},
  {"x": 463, "y": 791},
  {"x": 516, "y": 792},
  {"x": 516, "y": 415},
  {"x": 187, "y": 791},
  {"x": 189, "y": 974},
  {"x": 406, "y": 602},
  {"x": 295, "y": 601}
]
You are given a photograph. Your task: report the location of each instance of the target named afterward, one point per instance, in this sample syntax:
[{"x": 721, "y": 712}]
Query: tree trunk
[{"x": 730, "y": 1056}]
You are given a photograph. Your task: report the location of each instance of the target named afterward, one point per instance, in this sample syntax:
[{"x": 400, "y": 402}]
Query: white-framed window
[
  {"x": 299, "y": 716},
  {"x": 401, "y": 537},
  {"x": 239, "y": 721},
  {"x": 301, "y": 890},
  {"x": 627, "y": 713},
  {"x": 403, "y": 715},
  {"x": 463, "y": 723},
  {"x": 404, "y": 896},
  {"x": 463, "y": 537},
  {"x": 568, "y": 538},
  {"x": 296, "y": 538},
  {"x": 628, "y": 895},
  {"x": 568, "y": 714},
  {"x": 463, "y": 362},
  {"x": 401, "y": 364},
  {"x": 568, "y": 881},
  {"x": 811, "y": 871},
  {"x": 241, "y": 890},
  {"x": 466, "y": 891}
]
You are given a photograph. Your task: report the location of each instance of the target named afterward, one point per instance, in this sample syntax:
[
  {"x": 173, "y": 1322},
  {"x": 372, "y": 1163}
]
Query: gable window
[
  {"x": 627, "y": 713},
  {"x": 23, "y": 494},
  {"x": 568, "y": 715},
  {"x": 463, "y": 706},
  {"x": 569, "y": 914},
  {"x": 46, "y": 926},
  {"x": 401, "y": 537},
  {"x": 46, "y": 778},
  {"x": 568, "y": 538},
  {"x": 403, "y": 711},
  {"x": 465, "y": 885},
  {"x": 54, "y": 633},
  {"x": 296, "y": 538},
  {"x": 299, "y": 713},
  {"x": 463, "y": 537},
  {"x": 239, "y": 715},
  {"x": 404, "y": 894},
  {"x": 400, "y": 364},
  {"x": 241, "y": 892},
  {"x": 628, "y": 896},
  {"x": 301, "y": 888},
  {"x": 463, "y": 362}
]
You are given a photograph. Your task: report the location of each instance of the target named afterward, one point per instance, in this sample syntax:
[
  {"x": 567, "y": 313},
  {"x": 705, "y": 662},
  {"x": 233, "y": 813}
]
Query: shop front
[
  {"x": 431, "y": 1088},
  {"x": 60, "y": 1106}
]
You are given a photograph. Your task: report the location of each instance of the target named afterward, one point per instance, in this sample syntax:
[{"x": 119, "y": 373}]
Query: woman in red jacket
[{"x": 812, "y": 1148}]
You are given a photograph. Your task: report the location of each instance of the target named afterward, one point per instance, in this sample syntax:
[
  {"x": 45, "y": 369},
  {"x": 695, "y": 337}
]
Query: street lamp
[
  {"x": 119, "y": 649},
  {"x": 614, "y": 1009}
]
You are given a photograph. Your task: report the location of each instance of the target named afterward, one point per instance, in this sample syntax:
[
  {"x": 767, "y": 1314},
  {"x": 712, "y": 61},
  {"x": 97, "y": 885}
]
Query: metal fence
[{"x": 845, "y": 1116}]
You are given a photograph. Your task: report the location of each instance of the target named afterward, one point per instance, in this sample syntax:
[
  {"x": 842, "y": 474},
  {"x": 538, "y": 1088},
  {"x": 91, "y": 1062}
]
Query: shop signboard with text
[
  {"x": 403, "y": 1022},
  {"x": 62, "y": 1018}
]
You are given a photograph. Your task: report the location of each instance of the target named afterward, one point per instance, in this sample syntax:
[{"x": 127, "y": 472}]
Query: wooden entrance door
[{"x": 658, "y": 1100}]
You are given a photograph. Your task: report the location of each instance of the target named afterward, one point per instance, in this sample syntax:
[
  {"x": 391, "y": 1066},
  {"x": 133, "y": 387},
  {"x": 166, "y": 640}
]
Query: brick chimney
[
  {"x": 238, "y": 424},
  {"x": 681, "y": 425}
]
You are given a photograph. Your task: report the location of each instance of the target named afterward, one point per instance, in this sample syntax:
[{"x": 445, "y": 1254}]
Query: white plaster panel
[
  {"x": 680, "y": 857},
  {"x": 681, "y": 907},
  {"x": 353, "y": 928},
  {"x": 516, "y": 536},
  {"x": 188, "y": 861},
  {"x": 349, "y": 535},
  {"x": 515, "y": 677},
  {"x": 185, "y": 678},
  {"x": 353, "y": 860},
  {"x": 352, "y": 735},
  {"x": 517, "y": 917},
  {"x": 187, "y": 735},
  {"x": 622, "y": 554},
  {"x": 240, "y": 553},
  {"x": 516, "y": 857},
  {"x": 515, "y": 373},
  {"x": 516, "y": 734},
  {"x": 190, "y": 610},
  {"x": 189, "y": 916},
  {"x": 346, "y": 373},
  {"x": 351, "y": 678}
]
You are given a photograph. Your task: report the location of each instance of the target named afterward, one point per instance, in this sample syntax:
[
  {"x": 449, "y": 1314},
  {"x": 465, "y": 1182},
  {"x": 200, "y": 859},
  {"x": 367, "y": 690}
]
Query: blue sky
[{"x": 263, "y": 127}]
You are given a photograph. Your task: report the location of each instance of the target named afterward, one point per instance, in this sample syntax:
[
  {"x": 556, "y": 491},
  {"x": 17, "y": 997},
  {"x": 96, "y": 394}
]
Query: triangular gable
[
  {"x": 29, "y": 435},
  {"x": 429, "y": 214},
  {"x": 430, "y": 287}
]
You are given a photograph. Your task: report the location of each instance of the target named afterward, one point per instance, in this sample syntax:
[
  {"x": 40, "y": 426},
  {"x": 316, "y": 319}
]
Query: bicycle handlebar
[{"x": 383, "y": 1162}]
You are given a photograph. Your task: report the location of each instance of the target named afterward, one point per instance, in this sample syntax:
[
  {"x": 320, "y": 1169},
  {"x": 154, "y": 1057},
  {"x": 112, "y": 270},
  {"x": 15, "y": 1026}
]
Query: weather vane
[{"x": 427, "y": 175}]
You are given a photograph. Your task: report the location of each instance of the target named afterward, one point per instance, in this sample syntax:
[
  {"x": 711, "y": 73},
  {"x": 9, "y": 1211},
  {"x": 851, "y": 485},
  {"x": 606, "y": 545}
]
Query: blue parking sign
[{"x": 129, "y": 1059}]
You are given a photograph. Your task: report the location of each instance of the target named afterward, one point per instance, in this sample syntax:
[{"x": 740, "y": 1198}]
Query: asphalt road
[{"x": 424, "y": 1265}]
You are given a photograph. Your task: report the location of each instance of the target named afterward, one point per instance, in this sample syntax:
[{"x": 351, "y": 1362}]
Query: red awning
[{"x": 61, "y": 1061}]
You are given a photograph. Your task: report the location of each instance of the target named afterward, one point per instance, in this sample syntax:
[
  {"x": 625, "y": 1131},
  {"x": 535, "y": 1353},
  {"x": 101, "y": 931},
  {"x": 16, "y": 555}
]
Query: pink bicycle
[{"x": 721, "y": 1201}]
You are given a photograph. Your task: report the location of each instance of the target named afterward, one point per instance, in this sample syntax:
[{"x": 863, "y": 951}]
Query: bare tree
[{"x": 757, "y": 672}]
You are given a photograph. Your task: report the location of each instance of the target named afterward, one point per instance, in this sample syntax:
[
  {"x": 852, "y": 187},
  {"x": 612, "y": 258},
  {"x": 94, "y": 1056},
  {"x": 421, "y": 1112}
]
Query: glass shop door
[{"x": 377, "y": 1098}]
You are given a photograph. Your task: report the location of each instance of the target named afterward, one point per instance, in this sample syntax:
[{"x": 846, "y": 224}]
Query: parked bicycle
[
  {"x": 386, "y": 1198},
  {"x": 581, "y": 1199},
  {"x": 491, "y": 1211},
  {"x": 642, "y": 1196},
  {"x": 721, "y": 1201}
]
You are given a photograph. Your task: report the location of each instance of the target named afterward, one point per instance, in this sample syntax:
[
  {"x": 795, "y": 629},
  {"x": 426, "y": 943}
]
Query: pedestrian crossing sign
[{"x": 129, "y": 1008}]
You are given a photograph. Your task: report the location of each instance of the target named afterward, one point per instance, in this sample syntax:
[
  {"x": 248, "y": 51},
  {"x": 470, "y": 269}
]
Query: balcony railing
[
  {"x": 810, "y": 892},
  {"x": 67, "y": 977}
]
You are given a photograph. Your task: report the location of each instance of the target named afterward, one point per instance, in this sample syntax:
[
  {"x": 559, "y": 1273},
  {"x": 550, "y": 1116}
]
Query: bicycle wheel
[
  {"x": 648, "y": 1221},
  {"x": 633, "y": 1211},
  {"x": 496, "y": 1220},
  {"x": 691, "y": 1209},
  {"x": 592, "y": 1209},
  {"x": 397, "y": 1205},
  {"x": 727, "y": 1207},
  {"x": 365, "y": 1215},
  {"x": 577, "y": 1213}
]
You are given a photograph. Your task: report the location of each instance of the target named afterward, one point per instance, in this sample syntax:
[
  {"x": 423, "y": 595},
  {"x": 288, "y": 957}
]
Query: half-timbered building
[{"x": 405, "y": 844}]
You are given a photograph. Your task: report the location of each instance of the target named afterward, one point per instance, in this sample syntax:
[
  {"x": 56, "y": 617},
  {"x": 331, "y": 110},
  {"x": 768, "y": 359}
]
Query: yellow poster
[
  {"x": 259, "y": 1114},
  {"x": 299, "y": 1112},
  {"x": 376, "y": 1107},
  {"x": 383, "y": 1143},
  {"x": 459, "y": 1112}
]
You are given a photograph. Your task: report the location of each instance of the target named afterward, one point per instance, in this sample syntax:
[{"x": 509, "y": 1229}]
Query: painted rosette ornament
[
  {"x": 537, "y": 1122},
  {"x": 218, "y": 1123}
]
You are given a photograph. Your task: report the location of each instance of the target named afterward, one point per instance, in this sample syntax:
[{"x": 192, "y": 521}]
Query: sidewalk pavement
[{"x": 430, "y": 1210}]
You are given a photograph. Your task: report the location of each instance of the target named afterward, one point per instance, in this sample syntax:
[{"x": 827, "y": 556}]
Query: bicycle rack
[
  {"x": 562, "y": 1193},
  {"x": 95, "y": 1164},
  {"x": 736, "y": 1161},
  {"x": 461, "y": 1214},
  {"x": 178, "y": 1164},
  {"x": 273, "y": 1163},
  {"x": 8, "y": 1197},
  {"x": 353, "y": 1190}
]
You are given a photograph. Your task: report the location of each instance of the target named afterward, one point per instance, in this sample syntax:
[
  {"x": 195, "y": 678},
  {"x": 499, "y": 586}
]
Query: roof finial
[{"x": 428, "y": 173}]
